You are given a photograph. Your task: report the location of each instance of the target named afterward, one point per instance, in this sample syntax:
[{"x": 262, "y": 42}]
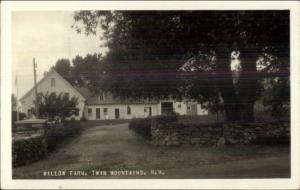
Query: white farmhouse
[
  {"x": 52, "y": 83},
  {"x": 104, "y": 105}
]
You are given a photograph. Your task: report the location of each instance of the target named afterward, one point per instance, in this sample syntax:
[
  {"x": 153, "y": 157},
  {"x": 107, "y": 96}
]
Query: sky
[{"x": 46, "y": 36}]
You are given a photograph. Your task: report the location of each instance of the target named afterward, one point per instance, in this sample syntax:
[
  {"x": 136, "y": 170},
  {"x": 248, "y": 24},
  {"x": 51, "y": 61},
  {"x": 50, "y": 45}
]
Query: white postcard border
[{"x": 6, "y": 80}]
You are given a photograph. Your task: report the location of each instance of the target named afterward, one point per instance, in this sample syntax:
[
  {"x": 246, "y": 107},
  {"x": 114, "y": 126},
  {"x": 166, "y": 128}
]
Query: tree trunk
[
  {"x": 226, "y": 87},
  {"x": 247, "y": 86},
  {"x": 239, "y": 101}
]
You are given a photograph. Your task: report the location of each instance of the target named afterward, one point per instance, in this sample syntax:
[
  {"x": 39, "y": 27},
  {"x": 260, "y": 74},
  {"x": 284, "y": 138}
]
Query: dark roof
[
  {"x": 108, "y": 98},
  {"x": 85, "y": 92}
]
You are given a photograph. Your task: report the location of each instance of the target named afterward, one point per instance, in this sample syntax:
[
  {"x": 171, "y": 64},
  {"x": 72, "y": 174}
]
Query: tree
[
  {"x": 276, "y": 97},
  {"x": 85, "y": 67},
  {"x": 14, "y": 102},
  {"x": 78, "y": 73},
  {"x": 52, "y": 105},
  {"x": 149, "y": 47},
  {"x": 63, "y": 67},
  {"x": 14, "y": 110}
]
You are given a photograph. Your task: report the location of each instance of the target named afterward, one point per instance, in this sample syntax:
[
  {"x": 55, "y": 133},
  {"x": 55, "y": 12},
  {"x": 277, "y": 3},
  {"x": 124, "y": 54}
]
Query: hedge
[
  {"x": 26, "y": 150},
  {"x": 14, "y": 117},
  {"x": 142, "y": 126},
  {"x": 61, "y": 133},
  {"x": 163, "y": 119}
]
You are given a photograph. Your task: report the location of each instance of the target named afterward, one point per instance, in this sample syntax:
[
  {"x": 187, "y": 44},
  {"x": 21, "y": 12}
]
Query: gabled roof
[
  {"x": 45, "y": 77},
  {"x": 92, "y": 98},
  {"x": 85, "y": 92}
]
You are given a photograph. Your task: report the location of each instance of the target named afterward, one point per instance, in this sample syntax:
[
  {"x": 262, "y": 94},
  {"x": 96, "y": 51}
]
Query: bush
[
  {"x": 83, "y": 119},
  {"x": 61, "y": 133},
  {"x": 141, "y": 127},
  {"x": 28, "y": 150},
  {"x": 163, "y": 119},
  {"x": 14, "y": 116}
]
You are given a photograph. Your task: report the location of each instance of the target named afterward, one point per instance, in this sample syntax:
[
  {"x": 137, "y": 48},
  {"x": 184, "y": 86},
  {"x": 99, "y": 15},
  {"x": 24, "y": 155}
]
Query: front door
[
  {"x": 191, "y": 109},
  {"x": 117, "y": 113},
  {"x": 97, "y": 113},
  {"x": 166, "y": 108},
  {"x": 148, "y": 111}
]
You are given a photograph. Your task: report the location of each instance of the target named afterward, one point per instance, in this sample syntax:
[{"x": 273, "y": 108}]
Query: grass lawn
[
  {"x": 205, "y": 119},
  {"x": 115, "y": 148}
]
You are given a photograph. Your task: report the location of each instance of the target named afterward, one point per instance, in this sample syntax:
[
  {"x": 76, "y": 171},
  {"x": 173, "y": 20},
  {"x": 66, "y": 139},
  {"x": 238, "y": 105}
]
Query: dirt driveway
[{"x": 113, "y": 151}]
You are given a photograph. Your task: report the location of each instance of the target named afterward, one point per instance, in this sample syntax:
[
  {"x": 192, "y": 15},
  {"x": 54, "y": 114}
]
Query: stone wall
[{"x": 174, "y": 133}]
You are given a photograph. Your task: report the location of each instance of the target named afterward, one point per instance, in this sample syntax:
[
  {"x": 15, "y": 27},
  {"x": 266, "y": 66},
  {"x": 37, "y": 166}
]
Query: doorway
[
  {"x": 117, "y": 113},
  {"x": 148, "y": 111},
  {"x": 166, "y": 108},
  {"x": 97, "y": 113}
]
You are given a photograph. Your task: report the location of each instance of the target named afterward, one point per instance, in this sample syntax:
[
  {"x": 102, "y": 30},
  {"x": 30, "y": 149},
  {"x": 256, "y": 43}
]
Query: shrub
[
  {"x": 83, "y": 119},
  {"x": 141, "y": 127},
  {"x": 163, "y": 119},
  {"x": 61, "y": 133},
  {"x": 52, "y": 105},
  {"x": 14, "y": 116},
  {"x": 27, "y": 150}
]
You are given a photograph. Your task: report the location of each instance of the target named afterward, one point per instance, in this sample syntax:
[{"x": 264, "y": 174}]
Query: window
[
  {"x": 145, "y": 110},
  {"x": 29, "y": 113},
  {"x": 128, "y": 110},
  {"x": 90, "y": 111},
  {"x": 189, "y": 108},
  {"x": 179, "y": 106},
  {"x": 101, "y": 97},
  {"x": 53, "y": 82},
  {"x": 105, "y": 111}
]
